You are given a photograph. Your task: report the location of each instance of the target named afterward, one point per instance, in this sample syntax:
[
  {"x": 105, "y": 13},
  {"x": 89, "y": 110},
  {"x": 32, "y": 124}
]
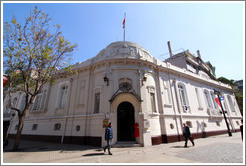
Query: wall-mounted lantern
[
  {"x": 106, "y": 80},
  {"x": 144, "y": 79}
]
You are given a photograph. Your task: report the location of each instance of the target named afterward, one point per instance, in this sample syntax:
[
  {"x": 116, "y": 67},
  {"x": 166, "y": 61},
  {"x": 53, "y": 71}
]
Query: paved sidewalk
[{"x": 215, "y": 149}]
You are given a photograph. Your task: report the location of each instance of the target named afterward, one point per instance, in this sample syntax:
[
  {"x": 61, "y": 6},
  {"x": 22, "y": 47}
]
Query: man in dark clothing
[
  {"x": 187, "y": 135},
  {"x": 108, "y": 137}
]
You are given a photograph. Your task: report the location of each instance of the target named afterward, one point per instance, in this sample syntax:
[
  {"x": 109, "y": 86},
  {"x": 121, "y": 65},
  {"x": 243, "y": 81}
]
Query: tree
[
  {"x": 32, "y": 53},
  {"x": 226, "y": 81}
]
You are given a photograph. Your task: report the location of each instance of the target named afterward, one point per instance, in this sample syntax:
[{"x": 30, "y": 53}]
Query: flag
[
  {"x": 124, "y": 23},
  {"x": 217, "y": 101}
]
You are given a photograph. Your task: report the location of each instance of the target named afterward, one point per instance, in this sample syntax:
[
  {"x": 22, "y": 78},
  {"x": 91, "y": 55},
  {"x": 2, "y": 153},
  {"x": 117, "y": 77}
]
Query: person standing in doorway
[
  {"x": 108, "y": 138},
  {"x": 187, "y": 135}
]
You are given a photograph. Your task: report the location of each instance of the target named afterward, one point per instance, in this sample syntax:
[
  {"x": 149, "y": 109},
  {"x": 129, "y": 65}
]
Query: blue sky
[{"x": 216, "y": 29}]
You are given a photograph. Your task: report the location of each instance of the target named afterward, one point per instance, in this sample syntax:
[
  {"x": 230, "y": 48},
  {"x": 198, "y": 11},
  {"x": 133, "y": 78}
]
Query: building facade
[{"x": 134, "y": 91}]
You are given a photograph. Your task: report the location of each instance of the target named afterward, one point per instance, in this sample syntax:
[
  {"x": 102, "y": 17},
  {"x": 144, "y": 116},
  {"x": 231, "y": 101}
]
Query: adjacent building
[{"x": 125, "y": 85}]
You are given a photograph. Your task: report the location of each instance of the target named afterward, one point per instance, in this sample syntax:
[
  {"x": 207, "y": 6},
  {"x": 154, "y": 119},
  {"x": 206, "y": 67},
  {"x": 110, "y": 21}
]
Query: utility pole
[{"x": 223, "y": 112}]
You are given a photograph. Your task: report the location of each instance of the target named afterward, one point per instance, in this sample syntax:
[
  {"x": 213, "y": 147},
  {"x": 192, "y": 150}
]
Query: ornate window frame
[{"x": 62, "y": 94}]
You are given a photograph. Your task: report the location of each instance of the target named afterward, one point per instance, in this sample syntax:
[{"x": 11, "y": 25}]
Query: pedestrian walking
[
  {"x": 108, "y": 138},
  {"x": 187, "y": 135},
  {"x": 241, "y": 128}
]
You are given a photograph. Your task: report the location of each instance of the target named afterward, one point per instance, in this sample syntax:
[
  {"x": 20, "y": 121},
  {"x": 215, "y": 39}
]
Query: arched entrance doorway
[{"x": 125, "y": 122}]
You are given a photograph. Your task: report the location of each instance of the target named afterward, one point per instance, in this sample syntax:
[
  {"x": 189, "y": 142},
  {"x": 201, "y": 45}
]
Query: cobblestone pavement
[
  {"x": 216, "y": 149},
  {"x": 215, "y": 153}
]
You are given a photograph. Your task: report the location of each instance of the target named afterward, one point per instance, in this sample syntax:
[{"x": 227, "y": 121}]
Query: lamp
[
  {"x": 144, "y": 79},
  {"x": 106, "y": 80}
]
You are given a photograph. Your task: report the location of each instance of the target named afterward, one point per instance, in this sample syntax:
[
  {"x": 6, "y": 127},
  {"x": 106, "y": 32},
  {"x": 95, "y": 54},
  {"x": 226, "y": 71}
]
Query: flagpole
[{"x": 124, "y": 26}]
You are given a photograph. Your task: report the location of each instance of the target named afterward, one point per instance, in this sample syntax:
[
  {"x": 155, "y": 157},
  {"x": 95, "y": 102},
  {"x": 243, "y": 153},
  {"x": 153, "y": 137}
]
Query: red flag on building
[{"x": 217, "y": 101}]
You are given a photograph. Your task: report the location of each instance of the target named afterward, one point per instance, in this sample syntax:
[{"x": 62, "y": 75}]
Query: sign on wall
[
  {"x": 146, "y": 124},
  {"x": 105, "y": 123}
]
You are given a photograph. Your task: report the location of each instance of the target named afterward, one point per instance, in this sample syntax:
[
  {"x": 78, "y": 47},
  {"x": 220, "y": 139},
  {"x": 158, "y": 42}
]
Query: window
[
  {"x": 208, "y": 99},
  {"x": 34, "y": 126},
  {"x": 152, "y": 100},
  {"x": 77, "y": 128},
  {"x": 40, "y": 100},
  {"x": 15, "y": 102},
  {"x": 16, "y": 127},
  {"x": 81, "y": 97},
  {"x": 182, "y": 94},
  {"x": 217, "y": 123},
  {"x": 97, "y": 103},
  {"x": 7, "y": 109},
  {"x": 191, "y": 67},
  {"x": 57, "y": 126},
  {"x": 167, "y": 97},
  {"x": 198, "y": 98},
  {"x": 231, "y": 104},
  {"x": 213, "y": 99},
  {"x": 37, "y": 102},
  {"x": 23, "y": 102},
  {"x": 62, "y": 97},
  {"x": 125, "y": 86},
  {"x": 44, "y": 94}
]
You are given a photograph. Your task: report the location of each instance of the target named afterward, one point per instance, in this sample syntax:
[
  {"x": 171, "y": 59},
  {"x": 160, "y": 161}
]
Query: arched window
[
  {"x": 231, "y": 103},
  {"x": 208, "y": 99},
  {"x": 97, "y": 103},
  {"x": 62, "y": 95},
  {"x": 40, "y": 100},
  {"x": 125, "y": 84},
  {"x": 183, "y": 95},
  {"x": 198, "y": 98},
  {"x": 15, "y": 102},
  {"x": 23, "y": 102},
  {"x": 213, "y": 99},
  {"x": 16, "y": 127}
]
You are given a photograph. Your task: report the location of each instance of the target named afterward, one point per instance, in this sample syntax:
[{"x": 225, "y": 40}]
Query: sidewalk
[{"x": 215, "y": 149}]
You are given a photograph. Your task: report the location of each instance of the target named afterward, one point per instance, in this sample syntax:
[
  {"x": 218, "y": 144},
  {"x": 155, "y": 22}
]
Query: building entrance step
[{"x": 126, "y": 144}]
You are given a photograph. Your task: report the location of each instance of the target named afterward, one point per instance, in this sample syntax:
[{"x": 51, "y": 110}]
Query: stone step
[{"x": 126, "y": 145}]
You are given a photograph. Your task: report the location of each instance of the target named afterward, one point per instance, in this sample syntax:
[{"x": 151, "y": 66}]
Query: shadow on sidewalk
[
  {"x": 179, "y": 147},
  {"x": 93, "y": 154},
  {"x": 33, "y": 146}
]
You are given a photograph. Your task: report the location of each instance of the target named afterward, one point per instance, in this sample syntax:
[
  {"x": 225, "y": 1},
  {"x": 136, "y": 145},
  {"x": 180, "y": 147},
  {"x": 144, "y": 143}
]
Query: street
[{"x": 215, "y": 149}]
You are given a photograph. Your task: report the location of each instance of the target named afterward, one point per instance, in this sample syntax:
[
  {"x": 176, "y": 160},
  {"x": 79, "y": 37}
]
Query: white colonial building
[{"x": 127, "y": 86}]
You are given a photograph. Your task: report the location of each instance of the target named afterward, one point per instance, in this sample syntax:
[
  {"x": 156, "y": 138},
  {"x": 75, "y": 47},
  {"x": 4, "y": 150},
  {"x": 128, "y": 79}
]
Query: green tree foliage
[
  {"x": 226, "y": 81},
  {"x": 32, "y": 53}
]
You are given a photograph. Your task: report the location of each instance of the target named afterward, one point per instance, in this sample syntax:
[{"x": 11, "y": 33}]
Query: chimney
[
  {"x": 170, "y": 49},
  {"x": 198, "y": 53}
]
